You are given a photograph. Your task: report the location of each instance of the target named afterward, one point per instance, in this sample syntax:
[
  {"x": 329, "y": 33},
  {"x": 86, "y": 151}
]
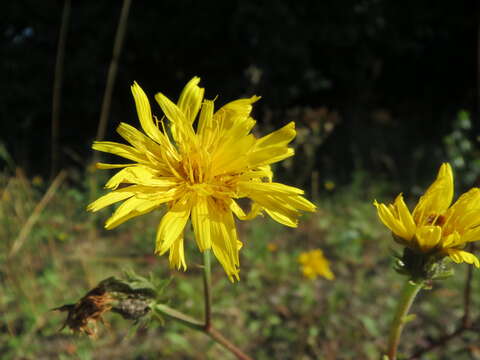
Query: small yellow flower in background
[
  {"x": 37, "y": 180},
  {"x": 272, "y": 247},
  {"x": 199, "y": 170},
  {"x": 314, "y": 263},
  {"x": 329, "y": 185},
  {"x": 436, "y": 228}
]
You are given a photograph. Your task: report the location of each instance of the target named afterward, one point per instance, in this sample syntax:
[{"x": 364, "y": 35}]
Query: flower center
[{"x": 435, "y": 219}]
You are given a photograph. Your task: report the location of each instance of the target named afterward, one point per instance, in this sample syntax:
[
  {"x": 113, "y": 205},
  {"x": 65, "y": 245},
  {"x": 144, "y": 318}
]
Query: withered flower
[{"x": 111, "y": 294}]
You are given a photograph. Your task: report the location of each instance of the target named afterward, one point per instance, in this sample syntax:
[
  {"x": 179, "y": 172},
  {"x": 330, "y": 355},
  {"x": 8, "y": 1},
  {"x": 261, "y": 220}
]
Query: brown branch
[
  {"x": 467, "y": 293},
  {"x": 112, "y": 70},
  {"x": 57, "y": 87},
  {"x": 440, "y": 342},
  {"x": 219, "y": 338}
]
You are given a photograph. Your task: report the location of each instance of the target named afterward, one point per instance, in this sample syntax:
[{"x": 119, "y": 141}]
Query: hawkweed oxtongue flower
[
  {"x": 436, "y": 229},
  {"x": 198, "y": 163},
  {"x": 314, "y": 263}
]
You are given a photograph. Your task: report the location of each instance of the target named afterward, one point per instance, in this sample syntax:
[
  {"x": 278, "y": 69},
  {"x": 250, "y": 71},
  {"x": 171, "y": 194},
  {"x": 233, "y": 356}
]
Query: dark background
[{"x": 395, "y": 72}]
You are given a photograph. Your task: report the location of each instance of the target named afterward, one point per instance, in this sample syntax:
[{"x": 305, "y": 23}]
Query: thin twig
[
  {"x": 467, "y": 293},
  {"x": 112, "y": 69},
  {"x": 25, "y": 231},
  {"x": 442, "y": 341},
  {"x": 57, "y": 87}
]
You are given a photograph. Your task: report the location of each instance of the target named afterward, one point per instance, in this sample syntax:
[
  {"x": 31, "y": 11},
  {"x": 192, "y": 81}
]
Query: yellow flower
[
  {"x": 329, "y": 185},
  {"x": 272, "y": 247},
  {"x": 315, "y": 264},
  {"x": 436, "y": 228},
  {"x": 199, "y": 169}
]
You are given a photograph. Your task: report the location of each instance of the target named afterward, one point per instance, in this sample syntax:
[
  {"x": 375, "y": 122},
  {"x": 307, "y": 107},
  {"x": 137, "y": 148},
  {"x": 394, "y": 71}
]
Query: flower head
[
  {"x": 198, "y": 162},
  {"x": 314, "y": 263},
  {"x": 436, "y": 229}
]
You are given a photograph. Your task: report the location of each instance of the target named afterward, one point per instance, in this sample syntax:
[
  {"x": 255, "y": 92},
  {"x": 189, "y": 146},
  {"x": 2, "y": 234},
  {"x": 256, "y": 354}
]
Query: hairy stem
[
  {"x": 207, "y": 288},
  {"x": 410, "y": 290}
]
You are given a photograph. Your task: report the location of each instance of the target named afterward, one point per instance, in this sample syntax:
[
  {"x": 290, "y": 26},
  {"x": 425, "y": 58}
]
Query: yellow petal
[
  {"x": 144, "y": 113},
  {"x": 103, "y": 166},
  {"x": 109, "y": 199},
  {"x": 273, "y": 147},
  {"x": 225, "y": 242},
  {"x": 405, "y": 217},
  {"x": 387, "y": 216},
  {"x": 471, "y": 235},
  {"x": 428, "y": 237},
  {"x": 137, "y": 139},
  {"x": 172, "y": 224},
  {"x": 118, "y": 149},
  {"x": 462, "y": 214},
  {"x": 205, "y": 127},
  {"x": 129, "y": 209},
  {"x": 141, "y": 175},
  {"x": 255, "y": 210},
  {"x": 182, "y": 130},
  {"x": 269, "y": 155},
  {"x": 437, "y": 198},
  {"x": 467, "y": 202},
  {"x": 451, "y": 240},
  {"x": 191, "y": 99},
  {"x": 201, "y": 223},
  {"x": 177, "y": 255},
  {"x": 236, "y": 209},
  {"x": 270, "y": 188},
  {"x": 300, "y": 203},
  {"x": 230, "y": 156},
  {"x": 460, "y": 256},
  {"x": 280, "y": 137},
  {"x": 469, "y": 220},
  {"x": 237, "y": 112},
  {"x": 280, "y": 201}
]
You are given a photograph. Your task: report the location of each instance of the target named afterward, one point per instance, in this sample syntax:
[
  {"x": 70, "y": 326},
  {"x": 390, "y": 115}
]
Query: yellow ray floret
[
  {"x": 197, "y": 162},
  {"x": 435, "y": 227}
]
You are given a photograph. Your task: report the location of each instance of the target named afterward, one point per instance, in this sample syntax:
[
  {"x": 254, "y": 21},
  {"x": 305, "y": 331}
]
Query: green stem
[
  {"x": 180, "y": 317},
  {"x": 207, "y": 288},
  {"x": 206, "y": 326},
  {"x": 410, "y": 290}
]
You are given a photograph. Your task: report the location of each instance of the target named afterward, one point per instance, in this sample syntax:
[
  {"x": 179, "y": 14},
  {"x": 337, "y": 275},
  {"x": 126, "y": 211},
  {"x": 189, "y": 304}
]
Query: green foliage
[
  {"x": 462, "y": 150},
  {"x": 272, "y": 313}
]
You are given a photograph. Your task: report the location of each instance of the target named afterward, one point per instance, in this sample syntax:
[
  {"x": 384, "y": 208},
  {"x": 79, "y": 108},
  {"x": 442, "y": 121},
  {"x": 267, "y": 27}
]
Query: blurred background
[
  {"x": 381, "y": 92},
  {"x": 388, "y": 78}
]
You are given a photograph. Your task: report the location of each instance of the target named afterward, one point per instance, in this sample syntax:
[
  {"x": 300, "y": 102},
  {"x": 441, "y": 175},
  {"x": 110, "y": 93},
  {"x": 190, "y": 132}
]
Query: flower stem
[
  {"x": 179, "y": 316},
  {"x": 206, "y": 326},
  {"x": 220, "y": 339},
  {"x": 410, "y": 290},
  {"x": 207, "y": 288}
]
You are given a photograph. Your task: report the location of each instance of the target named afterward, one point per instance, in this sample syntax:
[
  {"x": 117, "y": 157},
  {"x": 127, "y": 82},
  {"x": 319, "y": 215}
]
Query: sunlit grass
[{"x": 273, "y": 312}]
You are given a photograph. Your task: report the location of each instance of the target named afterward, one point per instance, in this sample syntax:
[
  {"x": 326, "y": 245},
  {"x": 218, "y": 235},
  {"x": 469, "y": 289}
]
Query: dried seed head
[
  {"x": 88, "y": 310},
  {"x": 119, "y": 296}
]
